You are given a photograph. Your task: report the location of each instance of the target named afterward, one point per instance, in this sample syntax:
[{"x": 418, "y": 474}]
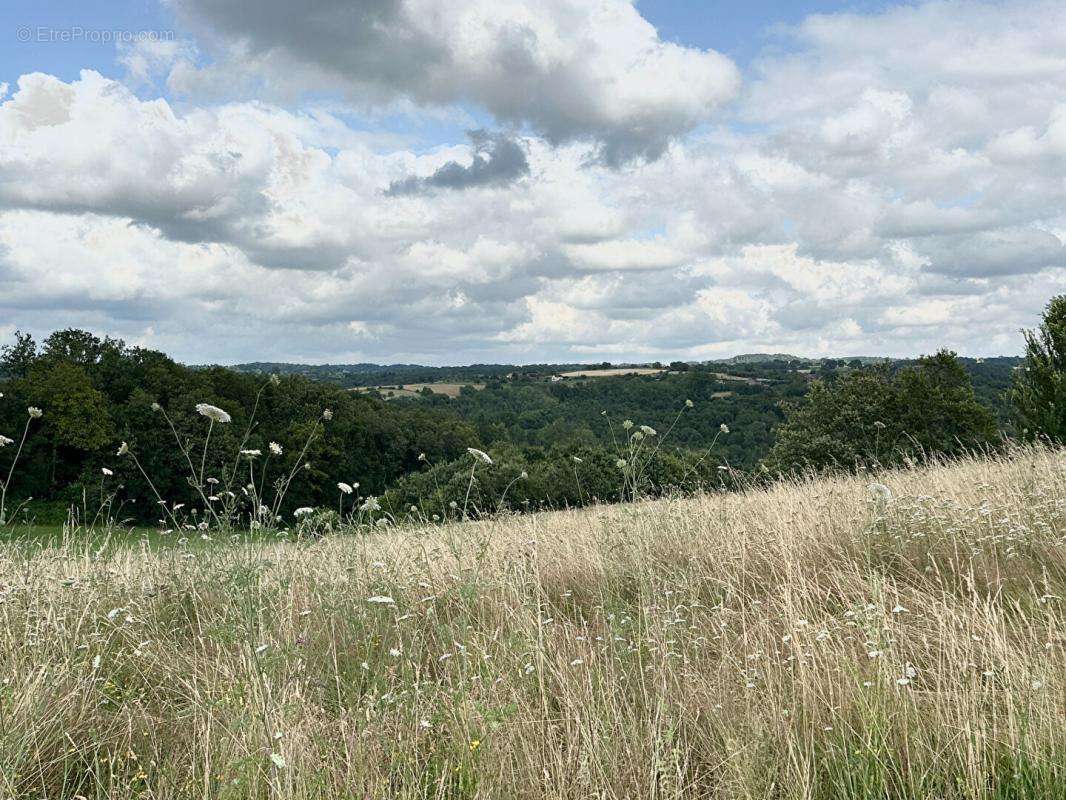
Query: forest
[{"x": 553, "y": 442}]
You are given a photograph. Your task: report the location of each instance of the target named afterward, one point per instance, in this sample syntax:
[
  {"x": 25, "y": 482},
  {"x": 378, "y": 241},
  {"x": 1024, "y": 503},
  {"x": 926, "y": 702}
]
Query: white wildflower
[
  {"x": 34, "y": 412},
  {"x": 303, "y": 511},
  {"x": 4, "y": 441},
  {"x": 275, "y": 449},
  {"x": 345, "y": 487},
  {"x": 381, "y": 599},
  {"x": 723, "y": 428},
  {"x": 123, "y": 449},
  {"x": 880, "y": 491},
  {"x": 213, "y": 413},
  {"x": 481, "y": 455},
  {"x": 106, "y": 471}
]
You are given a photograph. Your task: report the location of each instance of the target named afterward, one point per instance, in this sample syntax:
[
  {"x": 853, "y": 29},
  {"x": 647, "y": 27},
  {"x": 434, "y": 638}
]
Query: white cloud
[
  {"x": 893, "y": 194},
  {"x": 571, "y": 69}
]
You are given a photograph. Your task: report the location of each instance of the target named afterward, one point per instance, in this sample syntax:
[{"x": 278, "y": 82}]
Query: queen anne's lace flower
[
  {"x": 213, "y": 413},
  {"x": 481, "y": 455}
]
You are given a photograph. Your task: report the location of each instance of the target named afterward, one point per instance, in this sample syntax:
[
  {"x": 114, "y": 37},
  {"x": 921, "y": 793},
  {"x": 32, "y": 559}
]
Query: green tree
[
  {"x": 16, "y": 359},
  {"x": 880, "y": 415},
  {"x": 1038, "y": 396}
]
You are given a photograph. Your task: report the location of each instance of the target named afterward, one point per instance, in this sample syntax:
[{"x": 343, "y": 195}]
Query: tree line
[{"x": 551, "y": 444}]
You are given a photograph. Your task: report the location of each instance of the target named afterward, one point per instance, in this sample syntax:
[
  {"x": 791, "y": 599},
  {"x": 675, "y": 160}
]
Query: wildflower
[
  {"x": 899, "y": 610},
  {"x": 370, "y": 504},
  {"x": 345, "y": 487},
  {"x": 421, "y": 456},
  {"x": 303, "y": 511},
  {"x": 394, "y": 652},
  {"x": 879, "y": 425},
  {"x": 106, "y": 471},
  {"x": 277, "y": 760},
  {"x": 723, "y": 428},
  {"x": 627, "y": 424},
  {"x": 425, "y": 724},
  {"x": 578, "y": 460},
  {"x": 4, "y": 441},
  {"x": 123, "y": 449},
  {"x": 261, "y": 649},
  {"x": 34, "y": 412},
  {"x": 523, "y": 475},
  {"x": 481, "y": 455},
  {"x": 474, "y": 744},
  {"x": 620, "y": 463},
  {"x": 381, "y": 599},
  {"x": 880, "y": 491},
  {"x": 251, "y": 453},
  {"x": 688, "y": 404},
  {"x": 213, "y": 413},
  {"x": 648, "y": 430},
  {"x": 327, "y": 415},
  {"x": 275, "y": 379},
  {"x": 275, "y": 449},
  {"x": 156, "y": 407}
]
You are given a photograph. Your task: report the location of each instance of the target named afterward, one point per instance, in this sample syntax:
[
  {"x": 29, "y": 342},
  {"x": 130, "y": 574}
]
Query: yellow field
[
  {"x": 814, "y": 640},
  {"x": 413, "y": 389},
  {"x": 608, "y": 373}
]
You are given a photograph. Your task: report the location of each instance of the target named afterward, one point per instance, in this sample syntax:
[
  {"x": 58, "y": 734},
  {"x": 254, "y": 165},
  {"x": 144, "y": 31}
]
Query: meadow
[{"x": 853, "y": 637}]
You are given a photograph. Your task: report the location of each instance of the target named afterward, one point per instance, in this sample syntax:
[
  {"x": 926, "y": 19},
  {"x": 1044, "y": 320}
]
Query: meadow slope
[{"x": 814, "y": 640}]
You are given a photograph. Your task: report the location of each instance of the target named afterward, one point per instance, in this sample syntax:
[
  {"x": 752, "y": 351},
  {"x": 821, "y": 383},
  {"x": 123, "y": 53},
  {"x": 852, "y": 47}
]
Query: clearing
[{"x": 823, "y": 639}]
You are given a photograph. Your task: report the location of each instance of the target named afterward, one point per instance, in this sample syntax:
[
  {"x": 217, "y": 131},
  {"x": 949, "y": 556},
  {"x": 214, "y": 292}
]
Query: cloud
[
  {"x": 891, "y": 194},
  {"x": 569, "y": 69},
  {"x": 497, "y": 160}
]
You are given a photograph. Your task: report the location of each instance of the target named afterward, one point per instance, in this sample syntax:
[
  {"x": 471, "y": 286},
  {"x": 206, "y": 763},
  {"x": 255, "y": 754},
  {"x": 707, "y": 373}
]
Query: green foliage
[
  {"x": 1038, "y": 397},
  {"x": 883, "y": 416},
  {"x": 97, "y": 393}
]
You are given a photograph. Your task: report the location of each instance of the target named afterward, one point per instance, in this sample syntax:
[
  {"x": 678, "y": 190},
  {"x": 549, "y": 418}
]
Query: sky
[{"x": 523, "y": 181}]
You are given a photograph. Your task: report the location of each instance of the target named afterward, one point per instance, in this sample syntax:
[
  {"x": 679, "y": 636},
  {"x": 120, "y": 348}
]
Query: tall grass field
[{"x": 892, "y": 637}]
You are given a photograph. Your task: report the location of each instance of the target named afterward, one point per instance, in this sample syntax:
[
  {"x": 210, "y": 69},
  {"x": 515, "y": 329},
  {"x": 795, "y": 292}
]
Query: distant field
[
  {"x": 608, "y": 373},
  {"x": 414, "y": 389}
]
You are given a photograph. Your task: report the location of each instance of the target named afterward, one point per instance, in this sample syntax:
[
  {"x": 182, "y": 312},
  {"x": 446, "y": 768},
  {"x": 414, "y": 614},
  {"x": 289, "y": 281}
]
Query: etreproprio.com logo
[{"x": 76, "y": 33}]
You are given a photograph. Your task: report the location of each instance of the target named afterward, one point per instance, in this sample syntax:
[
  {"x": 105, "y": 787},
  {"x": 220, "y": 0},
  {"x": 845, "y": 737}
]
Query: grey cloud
[
  {"x": 570, "y": 70},
  {"x": 996, "y": 254},
  {"x": 498, "y": 160}
]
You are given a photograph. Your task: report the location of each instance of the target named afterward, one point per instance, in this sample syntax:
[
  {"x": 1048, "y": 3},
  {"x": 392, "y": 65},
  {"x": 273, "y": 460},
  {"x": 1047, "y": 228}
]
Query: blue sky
[{"x": 522, "y": 181}]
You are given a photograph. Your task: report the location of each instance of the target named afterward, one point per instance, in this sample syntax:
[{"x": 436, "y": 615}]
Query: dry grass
[
  {"x": 809, "y": 641},
  {"x": 414, "y": 389},
  {"x": 611, "y": 373}
]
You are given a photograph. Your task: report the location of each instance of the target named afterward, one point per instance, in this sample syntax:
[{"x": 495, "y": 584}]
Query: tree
[
  {"x": 881, "y": 415},
  {"x": 1038, "y": 396},
  {"x": 16, "y": 359}
]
